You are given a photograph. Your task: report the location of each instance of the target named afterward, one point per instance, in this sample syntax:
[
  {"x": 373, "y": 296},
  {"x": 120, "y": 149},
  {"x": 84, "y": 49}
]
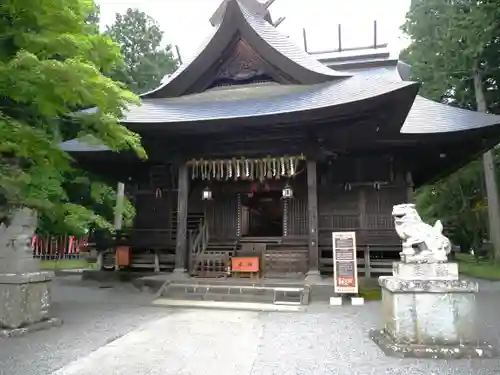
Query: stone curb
[{"x": 69, "y": 272}]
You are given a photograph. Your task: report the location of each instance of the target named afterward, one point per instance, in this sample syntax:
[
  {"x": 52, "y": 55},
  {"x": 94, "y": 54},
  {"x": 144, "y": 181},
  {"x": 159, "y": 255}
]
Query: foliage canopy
[
  {"x": 451, "y": 41},
  {"x": 147, "y": 60},
  {"x": 52, "y": 64}
]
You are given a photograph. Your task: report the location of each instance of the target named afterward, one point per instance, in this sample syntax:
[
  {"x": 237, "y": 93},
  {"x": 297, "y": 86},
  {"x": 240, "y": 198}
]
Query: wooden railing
[{"x": 370, "y": 264}]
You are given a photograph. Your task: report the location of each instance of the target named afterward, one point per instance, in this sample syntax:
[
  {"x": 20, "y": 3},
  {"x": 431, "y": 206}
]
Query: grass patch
[
  {"x": 469, "y": 266},
  {"x": 371, "y": 294},
  {"x": 369, "y": 289},
  {"x": 64, "y": 264}
]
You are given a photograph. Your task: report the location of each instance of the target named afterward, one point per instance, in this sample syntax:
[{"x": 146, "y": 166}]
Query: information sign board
[{"x": 345, "y": 270}]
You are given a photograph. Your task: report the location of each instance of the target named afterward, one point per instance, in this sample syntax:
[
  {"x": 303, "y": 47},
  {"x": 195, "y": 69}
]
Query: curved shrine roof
[
  {"x": 344, "y": 86},
  {"x": 263, "y": 100},
  {"x": 264, "y": 38},
  {"x": 427, "y": 116}
]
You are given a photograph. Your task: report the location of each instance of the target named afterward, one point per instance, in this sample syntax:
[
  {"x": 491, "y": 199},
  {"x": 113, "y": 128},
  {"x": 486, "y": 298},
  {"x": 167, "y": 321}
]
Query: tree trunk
[{"x": 489, "y": 173}]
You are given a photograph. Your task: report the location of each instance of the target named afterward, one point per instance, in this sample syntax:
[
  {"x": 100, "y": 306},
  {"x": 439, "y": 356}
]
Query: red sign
[
  {"x": 346, "y": 281},
  {"x": 245, "y": 264},
  {"x": 344, "y": 262}
]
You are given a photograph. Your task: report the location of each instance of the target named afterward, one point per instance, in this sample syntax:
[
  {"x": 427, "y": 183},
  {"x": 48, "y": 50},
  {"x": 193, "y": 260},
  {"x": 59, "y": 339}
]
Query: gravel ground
[
  {"x": 92, "y": 318},
  {"x": 325, "y": 340}
]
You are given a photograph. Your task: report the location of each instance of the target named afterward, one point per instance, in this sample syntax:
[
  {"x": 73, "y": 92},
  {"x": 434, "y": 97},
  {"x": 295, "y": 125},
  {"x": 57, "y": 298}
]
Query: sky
[{"x": 186, "y": 22}]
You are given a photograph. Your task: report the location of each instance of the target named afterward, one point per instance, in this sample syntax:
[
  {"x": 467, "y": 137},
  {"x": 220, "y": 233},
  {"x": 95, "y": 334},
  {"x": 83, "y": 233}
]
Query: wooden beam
[
  {"x": 182, "y": 211},
  {"x": 312, "y": 211}
]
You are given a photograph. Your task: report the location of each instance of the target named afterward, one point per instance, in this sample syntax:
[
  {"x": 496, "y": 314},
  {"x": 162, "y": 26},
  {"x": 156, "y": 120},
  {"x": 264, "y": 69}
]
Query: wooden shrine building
[{"x": 257, "y": 148}]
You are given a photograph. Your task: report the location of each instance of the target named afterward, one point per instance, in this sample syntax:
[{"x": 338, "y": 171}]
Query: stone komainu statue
[
  {"x": 421, "y": 242},
  {"x": 15, "y": 243}
]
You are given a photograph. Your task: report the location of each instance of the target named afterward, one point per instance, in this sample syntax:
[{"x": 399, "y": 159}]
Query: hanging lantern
[
  {"x": 287, "y": 192},
  {"x": 206, "y": 195}
]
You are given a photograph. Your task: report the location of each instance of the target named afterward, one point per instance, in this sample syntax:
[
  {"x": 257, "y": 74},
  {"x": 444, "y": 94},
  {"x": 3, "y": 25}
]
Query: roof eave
[{"x": 403, "y": 95}]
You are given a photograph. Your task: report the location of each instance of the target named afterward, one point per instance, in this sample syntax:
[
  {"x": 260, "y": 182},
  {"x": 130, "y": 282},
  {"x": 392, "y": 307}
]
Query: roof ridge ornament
[{"x": 253, "y": 6}]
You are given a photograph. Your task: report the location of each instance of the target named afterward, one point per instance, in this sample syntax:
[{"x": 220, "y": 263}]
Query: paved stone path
[{"x": 325, "y": 340}]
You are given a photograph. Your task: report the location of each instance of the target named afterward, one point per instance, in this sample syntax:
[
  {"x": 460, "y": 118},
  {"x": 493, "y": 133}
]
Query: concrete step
[
  {"x": 284, "y": 294},
  {"x": 220, "y": 297},
  {"x": 167, "y": 302},
  {"x": 222, "y": 289}
]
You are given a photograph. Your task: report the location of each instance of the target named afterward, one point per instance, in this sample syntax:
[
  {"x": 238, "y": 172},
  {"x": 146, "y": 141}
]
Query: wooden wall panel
[
  {"x": 379, "y": 206},
  {"x": 362, "y": 208},
  {"x": 365, "y": 210},
  {"x": 222, "y": 216},
  {"x": 153, "y": 210},
  {"x": 338, "y": 209},
  {"x": 297, "y": 215}
]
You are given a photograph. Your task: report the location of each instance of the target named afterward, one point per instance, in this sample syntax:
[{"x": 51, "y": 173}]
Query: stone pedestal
[
  {"x": 429, "y": 313},
  {"x": 25, "y": 303},
  {"x": 24, "y": 290}
]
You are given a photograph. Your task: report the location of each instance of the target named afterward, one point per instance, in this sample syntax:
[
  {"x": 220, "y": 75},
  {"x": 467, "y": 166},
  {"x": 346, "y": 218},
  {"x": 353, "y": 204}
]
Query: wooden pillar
[
  {"x": 363, "y": 226},
  {"x": 409, "y": 188},
  {"x": 120, "y": 197},
  {"x": 312, "y": 211},
  {"x": 182, "y": 213}
]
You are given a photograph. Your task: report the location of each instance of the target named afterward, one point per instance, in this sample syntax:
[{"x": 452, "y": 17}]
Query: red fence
[{"x": 57, "y": 247}]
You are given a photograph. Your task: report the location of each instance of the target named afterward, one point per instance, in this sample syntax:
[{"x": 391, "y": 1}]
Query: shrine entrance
[{"x": 262, "y": 214}]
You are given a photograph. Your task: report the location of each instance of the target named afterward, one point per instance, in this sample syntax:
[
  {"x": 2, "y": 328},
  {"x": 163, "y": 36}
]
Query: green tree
[
  {"x": 454, "y": 53},
  {"x": 458, "y": 201},
  {"x": 147, "y": 61},
  {"x": 52, "y": 63}
]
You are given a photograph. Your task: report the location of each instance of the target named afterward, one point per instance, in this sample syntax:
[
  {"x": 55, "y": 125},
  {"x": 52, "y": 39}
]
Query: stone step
[
  {"x": 242, "y": 293},
  {"x": 220, "y": 297},
  {"x": 248, "y": 306},
  {"x": 217, "y": 290}
]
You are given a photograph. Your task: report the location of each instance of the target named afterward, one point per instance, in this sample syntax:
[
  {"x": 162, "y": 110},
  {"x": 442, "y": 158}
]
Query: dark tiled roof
[
  {"x": 427, "y": 116},
  {"x": 263, "y": 37},
  {"x": 260, "y": 100},
  {"x": 255, "y": 6},
  {"x": 185, "y": 65},
  {"x": 282, "y": 44},
  {"x": 76, "y": 145}
]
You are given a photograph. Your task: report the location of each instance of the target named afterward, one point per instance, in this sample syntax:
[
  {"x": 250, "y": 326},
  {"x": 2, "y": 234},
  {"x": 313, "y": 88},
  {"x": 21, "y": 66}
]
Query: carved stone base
[
  {"x": 45, "y": 324},
  {"x": 24, "y": 299},
  {"x": 392, "y": 348},
  {"x": 425, "y": 271},
  {"x": 429, "y": 318},
  {"x": 429, "y": 312}
]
